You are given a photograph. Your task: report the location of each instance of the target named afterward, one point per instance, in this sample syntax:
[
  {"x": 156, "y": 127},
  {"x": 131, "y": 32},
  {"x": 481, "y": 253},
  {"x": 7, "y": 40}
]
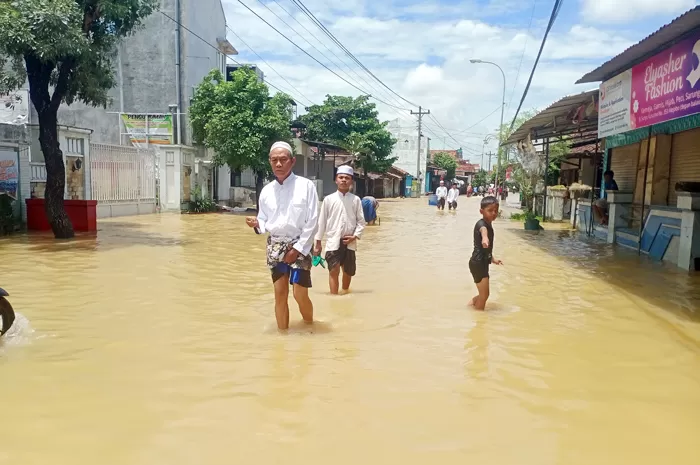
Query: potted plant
[{"x": 531, "y": 221}]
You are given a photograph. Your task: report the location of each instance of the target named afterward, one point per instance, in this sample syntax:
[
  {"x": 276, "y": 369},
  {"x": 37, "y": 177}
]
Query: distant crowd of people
[{"x": 448, "y": 196}]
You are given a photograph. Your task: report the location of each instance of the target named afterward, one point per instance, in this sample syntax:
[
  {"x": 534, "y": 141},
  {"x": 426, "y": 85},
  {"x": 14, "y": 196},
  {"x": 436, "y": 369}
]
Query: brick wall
[{"x": 75, "y": 179}]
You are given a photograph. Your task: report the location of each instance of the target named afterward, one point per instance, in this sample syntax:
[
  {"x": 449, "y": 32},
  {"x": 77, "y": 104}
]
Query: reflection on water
[{"x": 154, "y": 343}]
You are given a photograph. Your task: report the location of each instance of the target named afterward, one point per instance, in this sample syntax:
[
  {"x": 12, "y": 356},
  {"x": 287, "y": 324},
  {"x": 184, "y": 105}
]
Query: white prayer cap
[
  {"x": 442, "y": 182},
  {"x": 345, "y": 169},
  {"x": 282, "y": 145}
]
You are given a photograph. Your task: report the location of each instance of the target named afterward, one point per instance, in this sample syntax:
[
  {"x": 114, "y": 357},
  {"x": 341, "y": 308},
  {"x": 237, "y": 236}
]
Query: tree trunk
[
  {"x": 55, "y": 176},
  {"x": 39, "y": 77}
]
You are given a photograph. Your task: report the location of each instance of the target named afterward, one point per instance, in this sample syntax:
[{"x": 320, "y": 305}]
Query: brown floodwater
[{"x": 155, "y": 343}]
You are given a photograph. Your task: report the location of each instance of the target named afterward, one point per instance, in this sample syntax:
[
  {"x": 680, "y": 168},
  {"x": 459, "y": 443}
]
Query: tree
[
  {"x": 480, "y": 178},
  {"x": 352, "y": 123},
  {"x": 445, "y": 162},
  {"x": 66, "y": 46},
  {"x": 240, "y": 121}
]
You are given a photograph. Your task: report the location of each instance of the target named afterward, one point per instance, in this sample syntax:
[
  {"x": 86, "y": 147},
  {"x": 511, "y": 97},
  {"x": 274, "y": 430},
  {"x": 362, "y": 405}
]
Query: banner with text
[
  {"x": 9, "y": 173},
  {"x": 660, "y": 89},
  {"x": 152, "y": 129}
]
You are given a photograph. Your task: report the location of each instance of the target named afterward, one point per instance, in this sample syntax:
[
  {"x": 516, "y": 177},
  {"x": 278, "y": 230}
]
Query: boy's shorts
[
  {"x": 343, "y": 257},
  {"x": 479, "y": 270},
  {"x": 452, "y": 205}
]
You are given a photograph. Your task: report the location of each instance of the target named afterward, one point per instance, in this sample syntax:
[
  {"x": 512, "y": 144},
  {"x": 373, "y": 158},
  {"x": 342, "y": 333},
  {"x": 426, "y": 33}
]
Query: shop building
[{"x": 649, "y": 118}]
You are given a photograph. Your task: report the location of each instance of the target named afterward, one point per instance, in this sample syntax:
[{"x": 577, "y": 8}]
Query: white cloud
[
  {"x": 616, "y": 11},
  {"x": 426, "y": 60}
]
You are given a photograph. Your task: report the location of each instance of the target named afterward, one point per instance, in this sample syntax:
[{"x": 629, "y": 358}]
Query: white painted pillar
[
  {"x": 618, "y": 207},
  {"x": 689, "y": 247}
]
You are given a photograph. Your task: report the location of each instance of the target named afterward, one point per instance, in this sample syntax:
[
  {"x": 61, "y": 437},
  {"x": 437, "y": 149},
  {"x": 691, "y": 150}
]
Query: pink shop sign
[{"x": 667, "y": 86}]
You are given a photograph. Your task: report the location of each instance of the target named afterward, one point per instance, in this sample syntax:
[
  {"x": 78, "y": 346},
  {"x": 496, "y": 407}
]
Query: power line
[
  {"x": 268, "y": 64},
  {"x": 349, "y": 68},
  {"x": 555, "y": 12},
  {"x": 527, "y": 36},
  {"x": 308, "y": 13},
  {"x": 211, "y": 46},
  {"x": 484, "y": 118},
  {"x": 315, "y": 59},
  {"x": 446, "y": 131}
]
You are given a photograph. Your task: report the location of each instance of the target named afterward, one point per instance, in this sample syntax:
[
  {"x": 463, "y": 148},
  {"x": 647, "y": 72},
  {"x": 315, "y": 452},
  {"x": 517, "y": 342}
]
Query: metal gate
[{"x": 123, "y": 179}]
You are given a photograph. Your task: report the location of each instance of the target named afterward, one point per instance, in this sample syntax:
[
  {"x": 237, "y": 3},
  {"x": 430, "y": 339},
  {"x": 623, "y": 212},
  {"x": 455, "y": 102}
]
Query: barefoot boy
[
  {"x": 483, "y": 251},
  {"x": 342, "y": 221}
]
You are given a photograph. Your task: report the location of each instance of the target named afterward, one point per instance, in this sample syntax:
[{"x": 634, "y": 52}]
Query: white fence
[
  {"x": 123, "y": 179},
  {"x": 37, "y": 172}
]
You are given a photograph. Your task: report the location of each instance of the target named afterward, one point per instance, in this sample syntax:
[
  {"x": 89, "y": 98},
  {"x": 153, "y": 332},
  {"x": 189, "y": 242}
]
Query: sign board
[
  {"x": 14, "y": 107},
  {"x": 614, "y": 105},
  {"x": 660, "y": 89},
  {"x": 148, "y": 129},
  {"x": 9, "y": 173}
]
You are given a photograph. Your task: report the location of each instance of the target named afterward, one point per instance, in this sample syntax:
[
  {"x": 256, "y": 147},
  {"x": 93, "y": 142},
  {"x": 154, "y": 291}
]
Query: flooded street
[{"x": 156, "y": 344}]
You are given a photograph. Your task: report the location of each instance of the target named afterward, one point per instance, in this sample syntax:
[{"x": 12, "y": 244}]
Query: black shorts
[
  {"x": 343, "y": 257},
  {"x": 452, "y": 205},
  {"x": 479, "y": 270},
  {"x": 441, "y": 202},
  {"x": 304, "y": 277}
]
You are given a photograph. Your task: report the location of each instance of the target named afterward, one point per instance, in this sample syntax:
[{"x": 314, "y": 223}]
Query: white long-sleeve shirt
[
  {"x": 452, "y": 195},
  {"x": 289, "y": 211},
  {"x": 441, "y": 192},
  {"x": 341, "y": 215}
]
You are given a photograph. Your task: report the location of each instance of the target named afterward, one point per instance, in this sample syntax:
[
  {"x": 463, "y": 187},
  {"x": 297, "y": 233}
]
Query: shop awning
[
  {"x": 666, "y": 36},
  {"x": 574, "y": 114}
]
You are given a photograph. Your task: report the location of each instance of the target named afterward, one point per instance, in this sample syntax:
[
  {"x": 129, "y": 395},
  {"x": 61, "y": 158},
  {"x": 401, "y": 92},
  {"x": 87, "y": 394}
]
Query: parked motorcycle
[{"x": 7, "y": 313}]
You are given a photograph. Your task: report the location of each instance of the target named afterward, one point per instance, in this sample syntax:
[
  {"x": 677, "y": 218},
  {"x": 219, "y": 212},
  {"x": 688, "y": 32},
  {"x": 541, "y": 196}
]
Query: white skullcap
[
  {"x": 442, "y": 182},
  {"x": 345, "y": 169},
  {"x": 282, "y": 145}
]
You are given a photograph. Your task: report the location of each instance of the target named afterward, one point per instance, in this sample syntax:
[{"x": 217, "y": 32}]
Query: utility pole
[
  {"x": 420, "y": 114},
  {"x": 427, "y": 178}
]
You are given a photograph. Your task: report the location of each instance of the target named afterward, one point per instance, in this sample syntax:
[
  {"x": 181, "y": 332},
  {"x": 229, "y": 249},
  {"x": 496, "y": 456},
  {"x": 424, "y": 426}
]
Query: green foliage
[
  {"x": 445, "y": 162},
  {"x": 7, "y": 216},
  {"x": 525, "y": 216},
  {"x": 66, "y": 44},
  {"x": 352, "y": 123},
  {"x": 480, "y": 179},
  {"x": 239, "y": 120},
  {"x": 201, "y": 204}
]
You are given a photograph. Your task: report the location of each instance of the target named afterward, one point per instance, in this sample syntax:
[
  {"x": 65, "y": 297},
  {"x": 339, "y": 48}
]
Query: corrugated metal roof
[
  {"x": 647, "y": 47},
  {"x": 556, "y": 120}
]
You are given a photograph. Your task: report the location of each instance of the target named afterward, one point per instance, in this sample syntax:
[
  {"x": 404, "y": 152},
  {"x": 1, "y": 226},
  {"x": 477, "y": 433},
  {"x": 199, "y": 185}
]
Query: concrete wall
[
  {"x": 207, "y": 19},
  {"x": 406, "y": 149},
  {"x": 318, "y": 169},
  {"x": 223, "y": 183}
]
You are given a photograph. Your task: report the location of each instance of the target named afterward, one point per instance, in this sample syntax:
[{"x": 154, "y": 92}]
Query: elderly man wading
[{"x": 288, "y": 211}]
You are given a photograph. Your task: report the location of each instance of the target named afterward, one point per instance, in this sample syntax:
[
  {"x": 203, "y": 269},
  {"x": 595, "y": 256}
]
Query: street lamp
[{"x": 503, "y": 108}]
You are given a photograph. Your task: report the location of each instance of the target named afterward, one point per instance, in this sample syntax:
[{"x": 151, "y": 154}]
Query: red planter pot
[{"x": 82, "y": 213}]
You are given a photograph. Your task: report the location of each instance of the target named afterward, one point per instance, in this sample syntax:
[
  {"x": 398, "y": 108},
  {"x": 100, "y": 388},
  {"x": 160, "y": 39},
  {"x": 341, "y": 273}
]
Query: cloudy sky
[{"x": 421, "y": 50}]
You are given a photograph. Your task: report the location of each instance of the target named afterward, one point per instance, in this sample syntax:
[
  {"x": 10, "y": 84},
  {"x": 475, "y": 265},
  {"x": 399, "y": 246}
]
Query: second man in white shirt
[{"x": 342, "y": 222}]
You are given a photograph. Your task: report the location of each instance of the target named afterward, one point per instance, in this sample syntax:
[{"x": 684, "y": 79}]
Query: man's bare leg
[
  {"x": 306, "y": 308},
  {"x": 480, "y": 300},
  {"x": 281, "y": 304},
  {"x": 346, "y": 281},
  {"x": 333, "y": 276}
]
